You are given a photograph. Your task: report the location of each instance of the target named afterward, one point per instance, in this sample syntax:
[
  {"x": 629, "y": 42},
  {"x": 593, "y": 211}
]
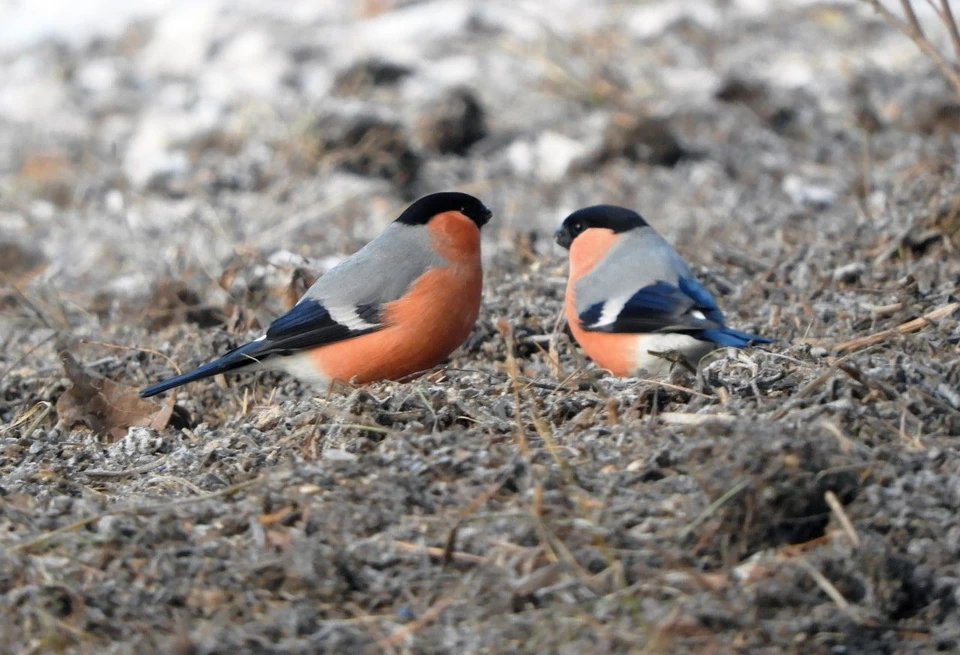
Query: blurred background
[
  {"x": 143, "y": 139},
  {"x": 173, "y": 174}
]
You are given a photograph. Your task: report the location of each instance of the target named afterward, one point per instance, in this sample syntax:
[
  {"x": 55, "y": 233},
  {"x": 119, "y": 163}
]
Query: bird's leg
[{"x": 674, "y": 357}]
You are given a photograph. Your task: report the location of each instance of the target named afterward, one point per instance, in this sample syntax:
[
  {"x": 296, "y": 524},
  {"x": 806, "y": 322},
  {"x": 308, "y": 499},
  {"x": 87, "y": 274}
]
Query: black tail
[{"x": 242, "y": 357}]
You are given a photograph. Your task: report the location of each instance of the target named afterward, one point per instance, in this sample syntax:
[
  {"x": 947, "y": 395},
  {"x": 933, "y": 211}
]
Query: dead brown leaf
[
  {"x": 106, "y": 407},
  {"x": 300, "y": 280}
]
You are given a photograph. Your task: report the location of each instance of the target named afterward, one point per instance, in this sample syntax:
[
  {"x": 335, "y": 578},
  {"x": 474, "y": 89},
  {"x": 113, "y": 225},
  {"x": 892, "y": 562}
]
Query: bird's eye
[{"x": 577, "y": 227}]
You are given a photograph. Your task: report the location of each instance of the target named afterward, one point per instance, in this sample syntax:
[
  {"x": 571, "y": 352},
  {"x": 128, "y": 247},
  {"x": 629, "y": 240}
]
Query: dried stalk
[{"x": 910, "y": 26}]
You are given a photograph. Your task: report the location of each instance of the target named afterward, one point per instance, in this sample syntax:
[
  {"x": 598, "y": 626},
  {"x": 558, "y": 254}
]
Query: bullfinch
[
  {"x": 396, "y": 307},
  {"x": 632, "y": 303}
]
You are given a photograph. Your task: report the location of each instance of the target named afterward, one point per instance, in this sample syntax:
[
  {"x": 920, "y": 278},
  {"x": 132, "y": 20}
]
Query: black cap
[
  {"x": 610, "y": 217},
  {"x": 420, "y": 212}
]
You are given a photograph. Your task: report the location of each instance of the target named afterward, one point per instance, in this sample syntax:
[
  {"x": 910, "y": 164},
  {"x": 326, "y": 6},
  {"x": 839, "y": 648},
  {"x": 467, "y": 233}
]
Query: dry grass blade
[
  {"x": 543, "y": 431},
  {"x": 27, "y": 302},
  {"x": 829, "y": 589},
  {"x": 482, "y": 499},
  {"x": 842, "y": 517},
  {"x": 904, "y": 328},
  {"x": 911, "y": 28},
  {"x": 15, "y": 363},
  {"x": 438, "y": 553},
  {"x": 176, "y": 481},
  {"x": 430, "y": 615},
  {"x": 421, "y": 394},
  {"x": 561, "y": 554},
  {"x": 544, "y": 576},
  {"x": 34, "y": 416},
  {"x": 843, "y": 440},
  {"x": 883, "y": 310},
  {"x": 149, "y": 351},
  {"x": 911, "y": 16},
  {"x": 362, "y": 426},
  {"x": 947, "y": 17},
  {"x": 681, "y": 418},
  {"x": 513, "y": 369},
  {"x": 715, "y": 505}
]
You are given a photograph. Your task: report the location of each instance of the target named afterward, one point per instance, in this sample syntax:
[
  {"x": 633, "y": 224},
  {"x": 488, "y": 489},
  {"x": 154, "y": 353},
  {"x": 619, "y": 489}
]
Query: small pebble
[
  {"x": 806, "y": 193},
  {"x": 338, "y": 455},
  {"x": 849, "y": 273},
  {"x": 949, "y": 394}
]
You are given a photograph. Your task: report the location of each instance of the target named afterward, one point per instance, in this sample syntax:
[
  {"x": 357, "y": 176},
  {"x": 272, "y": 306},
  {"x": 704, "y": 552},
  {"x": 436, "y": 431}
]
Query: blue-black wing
[
  {"x": 685, "y": 307},
  {"x": 308, "y": 325}
]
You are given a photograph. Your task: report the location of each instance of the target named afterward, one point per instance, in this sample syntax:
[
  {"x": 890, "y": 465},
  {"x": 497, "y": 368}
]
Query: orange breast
[
  {"x": 455, "y": 237},
  {"x": 424, "y": 326},
  {"x": 588, "y": 249},
  {"x": 614, "y": 352}
]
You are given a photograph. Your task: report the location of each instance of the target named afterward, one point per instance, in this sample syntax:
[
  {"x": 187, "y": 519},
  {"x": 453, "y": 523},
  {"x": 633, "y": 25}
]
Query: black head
[
  {"x": 420, "y": 212},
  {"x": 611, "y": 217}
]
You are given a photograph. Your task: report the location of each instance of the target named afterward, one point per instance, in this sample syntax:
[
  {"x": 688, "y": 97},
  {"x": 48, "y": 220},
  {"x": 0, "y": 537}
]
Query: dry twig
[
  {"x": 842, "y": 517},
  {"x": 683, "y": 418},
  {"x": 435, "y": 610},
  {"x": 829, "y": 589},
  {"x": 433, "y": 551},
  {"x": 910, "y": 26},
  {"x": 904, "y": 328}
]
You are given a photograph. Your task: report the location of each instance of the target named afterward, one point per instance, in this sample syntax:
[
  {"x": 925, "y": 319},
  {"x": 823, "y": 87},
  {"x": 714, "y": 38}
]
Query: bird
[
  {"x": 631, "y": 301},
  {"x": 396, "y": 307}
]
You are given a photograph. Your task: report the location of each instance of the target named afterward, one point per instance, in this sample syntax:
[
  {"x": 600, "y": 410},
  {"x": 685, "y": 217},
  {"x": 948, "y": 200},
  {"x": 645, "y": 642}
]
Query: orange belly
[
  {"x": 626, "y": 354},
  {"x": 432, "y": 319},
  {"x": 615, "y": 352}
]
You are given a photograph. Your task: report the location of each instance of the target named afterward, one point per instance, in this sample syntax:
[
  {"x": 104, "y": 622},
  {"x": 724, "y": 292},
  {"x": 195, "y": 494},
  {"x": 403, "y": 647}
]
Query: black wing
[
  {"x": 660, "y": 307},
  {"x": 686, "y": 307},
  {"x": 308, "y": 325}
]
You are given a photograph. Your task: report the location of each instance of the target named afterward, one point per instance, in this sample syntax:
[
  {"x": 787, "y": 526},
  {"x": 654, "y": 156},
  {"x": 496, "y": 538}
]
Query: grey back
[
  {"x": 639, "y": 258},
  {"x": 381, "y": 271}
]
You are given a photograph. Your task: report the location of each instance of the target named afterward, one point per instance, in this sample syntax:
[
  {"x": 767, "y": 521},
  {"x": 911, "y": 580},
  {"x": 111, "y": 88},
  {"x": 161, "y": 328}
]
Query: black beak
[
  {"x": 563, "y": 238},
  {"x": 485, "y": 217}
]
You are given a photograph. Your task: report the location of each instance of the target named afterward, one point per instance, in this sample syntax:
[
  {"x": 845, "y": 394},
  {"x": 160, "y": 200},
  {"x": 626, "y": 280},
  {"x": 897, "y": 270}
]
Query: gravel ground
[{"x": 172, "y": 179}]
